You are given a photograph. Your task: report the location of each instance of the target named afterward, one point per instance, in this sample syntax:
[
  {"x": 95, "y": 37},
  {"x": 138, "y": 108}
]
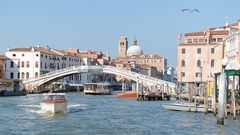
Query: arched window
[
  {"x": 36, "y": 74},
  {"x": 198, "y": 63},
  {"x": 18, "y": 65},
  {"x": 23, "y": 64},
  {"x": 11, "y": 75},
  {"x": 36, "y": 64},
  {"x": 27, "y": 75},
  {"x": 23, "y": 75},
  {"x": 12, "y": 64},
  {"x": 183, "y": 63},
  {"x": 212, "y": 63},
  {"x": 27, "y": 63}
]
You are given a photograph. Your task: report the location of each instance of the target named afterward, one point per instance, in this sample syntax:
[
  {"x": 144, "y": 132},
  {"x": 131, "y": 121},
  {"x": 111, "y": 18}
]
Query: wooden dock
[{"x": 151, "y": 96}]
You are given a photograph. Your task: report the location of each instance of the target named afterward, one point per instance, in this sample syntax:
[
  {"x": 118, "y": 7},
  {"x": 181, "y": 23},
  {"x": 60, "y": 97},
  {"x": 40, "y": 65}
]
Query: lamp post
[{"x": 222, "y": 94}]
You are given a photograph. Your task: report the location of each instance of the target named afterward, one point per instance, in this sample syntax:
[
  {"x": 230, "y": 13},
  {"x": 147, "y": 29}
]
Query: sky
[{"x": 98, "y": 24}]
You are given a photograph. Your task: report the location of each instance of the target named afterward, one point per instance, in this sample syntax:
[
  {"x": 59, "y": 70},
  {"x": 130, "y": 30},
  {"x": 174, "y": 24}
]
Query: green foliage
[{"x": 6, "y": 84}]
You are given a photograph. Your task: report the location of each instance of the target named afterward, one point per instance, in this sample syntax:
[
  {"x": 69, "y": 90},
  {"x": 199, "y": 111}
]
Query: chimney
[{"x": 179, "y": 38}]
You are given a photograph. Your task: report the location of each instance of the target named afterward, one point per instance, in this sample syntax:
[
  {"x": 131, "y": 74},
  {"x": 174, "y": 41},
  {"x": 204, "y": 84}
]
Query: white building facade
[{"x": 24, "y": 63}]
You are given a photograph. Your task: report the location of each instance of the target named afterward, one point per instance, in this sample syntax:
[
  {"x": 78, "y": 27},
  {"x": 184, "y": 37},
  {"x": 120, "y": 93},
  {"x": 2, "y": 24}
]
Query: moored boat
[
  {"x": 54, "y": 103},
  {"x": 181, "y": 106},
  {"x": 129, "y": 94},
  {"x": 97, "y": 88}
]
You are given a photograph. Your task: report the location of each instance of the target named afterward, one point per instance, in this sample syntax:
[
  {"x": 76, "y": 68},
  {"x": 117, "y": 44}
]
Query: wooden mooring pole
[
  {"x": 205, "y": 99},
  {"x": 233, "y": 99},
  {"x": 221, "y": 103}
]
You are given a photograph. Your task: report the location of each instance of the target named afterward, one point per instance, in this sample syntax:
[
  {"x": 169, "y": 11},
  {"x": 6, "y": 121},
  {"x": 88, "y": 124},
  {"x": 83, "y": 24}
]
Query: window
[
  {"x": 28, "y": 65},
  {"x": 36, "y": 64},
  {"x": 23, "y": 55},
  {"x": 13, "y": 55},
  {"x": 41, "y": 55},
  {"x": 213, "y": 40},
  {"x": 11, "y": 75},
  {"x": 12, "y": 64},
  {"x": 41, "y": 64},
  {"x": 189, "y": 40},
  {"x": 201, "y": 40},
  {"x": 27, "y": 75},
  {"x": 23, "y": 75},
  {"x": 183, "y": 63},
  {"x": 219, "y": 39},
  {"x": 212, "y": 50},
  {"x": 18, "y": 75},
  {"x": 198, "y": 74},
  {"x": 182, "y": 74},
  {"x": 206, "y": 40},
  {"x": 198, "y": 63},
  {"x": 36, "y": 55},
  {"x": 195, "y": 40},
  {"x": 45, "y": 65},
  {"x": 183, "y": 51},
  {"x": 36, "y": 74},
  {"x": 18, "y": 65},
  {"x": 22, "y": 65},
  {"x": 199, "y": 50},
  {"x": 46, "y": 56},
  {"x": 212, "y": 63}
]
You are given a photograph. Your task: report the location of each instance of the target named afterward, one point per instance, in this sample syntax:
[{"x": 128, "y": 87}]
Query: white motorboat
[
  {"x": 54, "y": 103},
  {"x": 181, "y": 106}
]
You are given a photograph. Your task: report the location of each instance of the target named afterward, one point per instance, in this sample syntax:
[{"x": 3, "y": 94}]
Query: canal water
[{"x": 105, "y": 115}]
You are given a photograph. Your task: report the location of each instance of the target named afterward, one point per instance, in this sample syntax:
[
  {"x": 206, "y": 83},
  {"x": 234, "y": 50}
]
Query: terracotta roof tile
[
  {"x": 219, "y": 32},
  {"x": 200, "y": 33}
]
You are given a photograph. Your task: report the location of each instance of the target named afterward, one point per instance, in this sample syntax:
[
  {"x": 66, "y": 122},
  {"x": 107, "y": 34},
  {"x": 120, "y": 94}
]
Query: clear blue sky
[{"x": 98, "y": 24}]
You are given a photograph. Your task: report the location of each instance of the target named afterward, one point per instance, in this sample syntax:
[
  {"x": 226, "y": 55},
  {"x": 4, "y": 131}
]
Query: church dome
[{"x": 134, "y": 50}]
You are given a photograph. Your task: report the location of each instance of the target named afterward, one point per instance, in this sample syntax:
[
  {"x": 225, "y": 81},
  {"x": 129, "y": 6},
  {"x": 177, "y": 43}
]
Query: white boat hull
[
  {"x": 54, "y": 107},
  {"x": 184, "y": 107}
]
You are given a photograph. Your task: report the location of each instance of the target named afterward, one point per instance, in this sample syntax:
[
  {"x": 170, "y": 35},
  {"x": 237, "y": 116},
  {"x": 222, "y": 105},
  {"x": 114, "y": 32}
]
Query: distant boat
[
  {"x": 54, "y": 103},
  {"x": 184, "y": 106},
  {"x": 129, "y": 94},
  {"x": 97, "y": 88}
]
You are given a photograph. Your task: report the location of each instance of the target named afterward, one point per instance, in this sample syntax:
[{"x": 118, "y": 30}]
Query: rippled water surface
[{"x": 103, "y": 115}]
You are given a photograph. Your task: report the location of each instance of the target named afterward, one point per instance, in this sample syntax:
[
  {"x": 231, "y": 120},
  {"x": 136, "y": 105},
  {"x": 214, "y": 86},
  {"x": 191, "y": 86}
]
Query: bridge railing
[
  {"x": 67, "y": 69},
  {"x": 139, "y": 76}
]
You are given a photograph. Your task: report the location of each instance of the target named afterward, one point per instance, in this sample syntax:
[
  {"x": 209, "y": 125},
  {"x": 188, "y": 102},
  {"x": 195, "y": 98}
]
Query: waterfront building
[
  {"x": 135, "y": 54},
  {"x": 2, "y": 67},
  {"x": 148, "y": 70},
  {"x": 200, "y": 54},
  {"x": 94, "y": 58},
  {"x": 29, "y": 62},
  {"x": 232, "y": 49}
]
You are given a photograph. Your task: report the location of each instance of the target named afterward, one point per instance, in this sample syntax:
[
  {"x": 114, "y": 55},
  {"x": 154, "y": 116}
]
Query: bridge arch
[{"x": 33, "y": 83}]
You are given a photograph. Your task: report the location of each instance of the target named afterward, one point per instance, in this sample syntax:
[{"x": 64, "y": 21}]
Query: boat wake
[
  {"x": 72, "y": 108},
  {"x": 31, "y": 108}
]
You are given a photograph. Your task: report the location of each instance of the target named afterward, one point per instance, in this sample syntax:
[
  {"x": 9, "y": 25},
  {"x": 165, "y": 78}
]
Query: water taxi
[
  {"x": 97, "y": 88},
  {"x": 54, "y": 103}
]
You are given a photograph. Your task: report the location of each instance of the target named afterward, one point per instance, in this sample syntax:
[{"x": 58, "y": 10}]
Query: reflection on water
[{"x": 105, "y": 115}]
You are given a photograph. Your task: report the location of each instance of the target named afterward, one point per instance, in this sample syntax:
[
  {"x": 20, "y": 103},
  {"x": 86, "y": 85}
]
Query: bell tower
[{"x": 122, "y": 46}]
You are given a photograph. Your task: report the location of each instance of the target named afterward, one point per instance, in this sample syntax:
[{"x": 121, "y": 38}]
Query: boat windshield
[{"x": 54, "y": 97}]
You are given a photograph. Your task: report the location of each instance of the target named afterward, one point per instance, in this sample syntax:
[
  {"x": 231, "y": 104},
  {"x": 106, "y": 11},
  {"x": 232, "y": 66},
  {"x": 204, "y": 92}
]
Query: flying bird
[{"x": 191, "y": 10}]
